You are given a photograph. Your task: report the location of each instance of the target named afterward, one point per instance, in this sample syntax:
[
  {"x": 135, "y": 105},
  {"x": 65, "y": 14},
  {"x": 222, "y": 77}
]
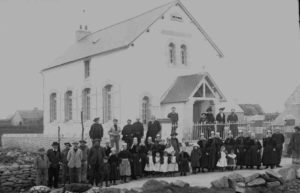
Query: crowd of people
[{"x": 153, "y": 156}]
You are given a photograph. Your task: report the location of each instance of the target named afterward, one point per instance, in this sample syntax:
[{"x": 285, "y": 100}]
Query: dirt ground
[{"x": 201, "y": 179}]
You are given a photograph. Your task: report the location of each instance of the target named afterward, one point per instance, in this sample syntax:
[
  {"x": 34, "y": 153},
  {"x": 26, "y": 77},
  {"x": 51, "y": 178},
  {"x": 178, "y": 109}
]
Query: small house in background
[
  {"x": 291, "y": 113},
  {"x": 27, "y": 118},
  {"x": 253, "y": 112}
]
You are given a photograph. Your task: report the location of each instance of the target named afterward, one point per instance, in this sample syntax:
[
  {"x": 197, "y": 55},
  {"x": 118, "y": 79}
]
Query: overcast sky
[{"x": 259, "y": 38}]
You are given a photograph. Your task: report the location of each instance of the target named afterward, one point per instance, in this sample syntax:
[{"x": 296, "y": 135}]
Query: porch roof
[{"x": 182, "y": 88}]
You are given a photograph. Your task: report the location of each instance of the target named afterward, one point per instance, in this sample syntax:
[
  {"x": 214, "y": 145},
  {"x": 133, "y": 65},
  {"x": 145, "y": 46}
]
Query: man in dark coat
[
  {"x": 55, "y": 158},
  {"x": 220, "y": 118},
  {"x": 95, "y": 160},
  {"x": 240, "y": 149},
  {"x": 96, "y": 131},
  {"x": 154, "y": 128},
  {"x": 210, "y": 120},
  {"x": 279, "y": 139},
  {"x": 253, "y": 152},
  {"x": 232, "y": 119},
  {"x": 294, "y": 146},
  {"x": 65, "y": 168},
  {"x": 138, "y": 129},
  {"x": 127, "y": 133},
  {"x": 173, "y": 116}
]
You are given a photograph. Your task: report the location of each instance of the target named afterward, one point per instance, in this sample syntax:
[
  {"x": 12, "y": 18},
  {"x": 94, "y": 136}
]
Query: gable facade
[{"x": 138, "y": 76}]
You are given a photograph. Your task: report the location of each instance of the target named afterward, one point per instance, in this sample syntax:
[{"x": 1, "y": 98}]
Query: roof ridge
[{"x": 126, "y": 20}]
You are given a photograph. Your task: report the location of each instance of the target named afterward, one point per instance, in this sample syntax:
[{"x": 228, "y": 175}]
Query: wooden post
[
  {"x": 1, "y": 139},
  {"x": 82, "y": 131}
]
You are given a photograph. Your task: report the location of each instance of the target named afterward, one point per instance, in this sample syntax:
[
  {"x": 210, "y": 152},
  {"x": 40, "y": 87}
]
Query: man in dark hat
[
  {"x": 95, "y": 161},
  {"x": 127, "y": 133},
  {"x": 220, "y": 118},
  {"x": 65, "y": 168},
  {"x": 54, "y": 157},
  {"x": 84, "y": 165},
  {"x": 96, "y": 131},
  {"x": 233, "y": 119},
  {"x": 114, "y": 135},
  {"x": 210, "y": 120},
  {"x": 138, "y": 129},
  {"x": 173, "y": 116},
  {"x": 154, "y": 128},
  {"x": 294, "y": 146}
]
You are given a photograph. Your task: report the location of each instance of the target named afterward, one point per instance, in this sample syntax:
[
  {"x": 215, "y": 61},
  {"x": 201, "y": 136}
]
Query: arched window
[
  {"x": 86, "y": 104},
  {"x": 172, "y": 53},
  {"x": 53, "y": 107},
  {"x": 146, "y": 109},
  {"x": 68, "y": 106},
  {"x": 107, "y": 103},
  {"x": 183, "y": 52}
]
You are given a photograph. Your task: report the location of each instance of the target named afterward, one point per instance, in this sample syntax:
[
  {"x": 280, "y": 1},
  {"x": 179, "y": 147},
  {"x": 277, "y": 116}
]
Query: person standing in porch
[
  {"x": 96, "y": 130},
  {"x": 233, "y": 119},
  {"x": 203, "y": 128},
  {"x": 114, "y": 134},
  {"x": 173, "y": 116},
  {"x": 138, "y": 129},
  {"x": 279, "y": 139},
  {"x": 154, "y": 128},
  {"x": 294, "y": 146},
  {"x": 220, "y": 118},
  {"x": 210, "y": 120}
]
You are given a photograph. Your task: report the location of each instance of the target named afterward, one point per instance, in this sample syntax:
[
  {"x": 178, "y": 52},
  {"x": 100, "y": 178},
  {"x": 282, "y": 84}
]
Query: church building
[{"x": 140, "y": 67}]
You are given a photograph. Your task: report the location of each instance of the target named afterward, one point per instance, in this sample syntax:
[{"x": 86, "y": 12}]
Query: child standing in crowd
[
  {"x": 149, "y": 168},
  {"x": 222, "y": 163},
  {"x": 157, "y": 163},
  {"x": 125, "y": 169},
  {"x": 164, "y": 165},
  {"x": 172, "y": 164},
  {"x": 183, "y": 162},
  {"x": 41, "y": 164},
  {"x": 195, "y": 158},
  {"x": 105, "y": 172},
  {"x": 114, "y": 163},
  {"x": 231, "y": 160}
]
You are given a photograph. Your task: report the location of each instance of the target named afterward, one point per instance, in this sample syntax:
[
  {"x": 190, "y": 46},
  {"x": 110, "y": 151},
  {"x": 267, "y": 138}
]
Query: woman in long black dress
[
  {"x": 114, "y": 162},
  {"x": 253, "y": 147},
  {"x": 136, "y": 159},
  {"x": 204, "y": 158},
  {"x": 269, "y": 152}
]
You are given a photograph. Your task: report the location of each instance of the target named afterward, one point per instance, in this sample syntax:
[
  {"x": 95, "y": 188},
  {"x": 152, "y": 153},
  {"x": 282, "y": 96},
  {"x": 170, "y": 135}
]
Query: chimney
[{"x": 81, "y": 33}]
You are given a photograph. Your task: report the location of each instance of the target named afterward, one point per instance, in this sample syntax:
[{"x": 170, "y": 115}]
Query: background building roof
[{"x": 252, "y": 109}]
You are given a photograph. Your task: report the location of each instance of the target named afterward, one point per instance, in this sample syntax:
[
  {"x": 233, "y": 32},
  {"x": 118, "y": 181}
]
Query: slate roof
[
  {"x": 34, "y": 114},
  {"x": 121, "y": 35},
  {"x": 182, "y": 88},
  {"x": 252, "y": 109}
]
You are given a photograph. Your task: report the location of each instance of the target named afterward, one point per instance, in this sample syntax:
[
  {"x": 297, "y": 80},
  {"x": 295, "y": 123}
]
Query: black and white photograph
[{"x": 149, "y": 96}]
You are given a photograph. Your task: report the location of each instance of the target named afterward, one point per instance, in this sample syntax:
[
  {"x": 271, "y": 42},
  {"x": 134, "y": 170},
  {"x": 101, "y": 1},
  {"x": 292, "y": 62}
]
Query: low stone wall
[{"x": 17, "y": 178}]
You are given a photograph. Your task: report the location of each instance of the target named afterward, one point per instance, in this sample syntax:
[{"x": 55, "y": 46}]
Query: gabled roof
[
  {"x": 121, "y": 35},
  {"x": 34, "y": 114},
  {"x": 184, "y": 87},
  {"x": 252, "y": 109}
]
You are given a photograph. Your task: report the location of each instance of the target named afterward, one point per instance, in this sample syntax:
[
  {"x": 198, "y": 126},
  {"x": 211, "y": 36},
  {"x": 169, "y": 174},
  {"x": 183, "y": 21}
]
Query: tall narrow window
[
  {"x": 86, "y": 104},
  {"x": 146, "y": 109},
  {"x": 68, "y": 106},
  {"x": 86, "y": 68},
  {"x": 172, "y": 54},
  {"x": 183, "y": 54},
  {"x": 53, "y": 106},
  {"x": 107, "y": 103}
]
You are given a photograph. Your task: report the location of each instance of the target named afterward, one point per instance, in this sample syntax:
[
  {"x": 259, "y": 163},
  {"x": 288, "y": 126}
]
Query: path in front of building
[{"x": 201, "y": 179}]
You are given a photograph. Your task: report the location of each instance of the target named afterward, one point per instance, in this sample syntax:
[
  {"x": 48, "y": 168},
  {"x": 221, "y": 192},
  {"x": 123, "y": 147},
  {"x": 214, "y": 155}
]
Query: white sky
[{"x": 260, "y": 40}]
